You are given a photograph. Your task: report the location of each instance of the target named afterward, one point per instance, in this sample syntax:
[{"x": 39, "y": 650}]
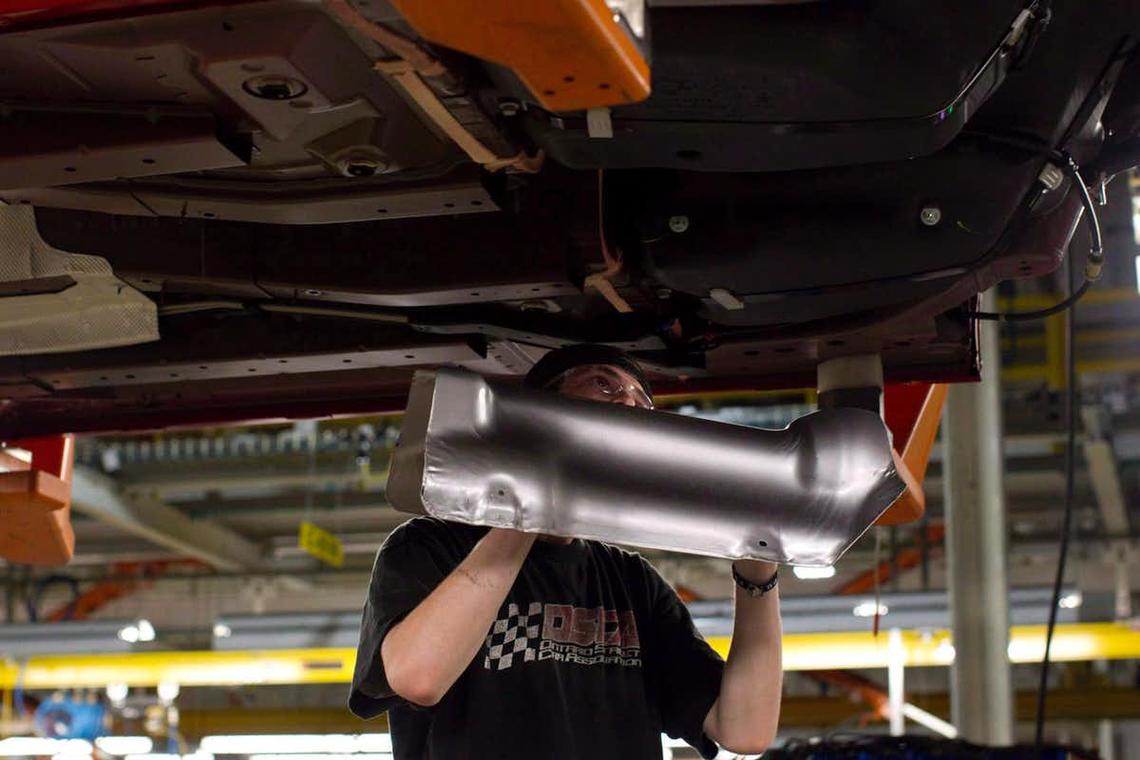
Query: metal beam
[
  {"x": 100, "y": 497},
  {"x": 795, "y": 712},
  {"x": 981, "y": 693},
  {"x": 1104, "y": 474},
  {"x": 1076, "y": 642}
]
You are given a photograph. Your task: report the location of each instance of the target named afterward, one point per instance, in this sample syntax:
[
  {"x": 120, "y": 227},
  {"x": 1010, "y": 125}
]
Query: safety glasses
[{"x": 601, "y": 382}]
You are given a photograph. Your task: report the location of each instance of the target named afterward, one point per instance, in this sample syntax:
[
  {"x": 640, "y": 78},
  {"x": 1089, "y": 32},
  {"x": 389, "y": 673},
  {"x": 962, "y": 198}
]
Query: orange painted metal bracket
[
  {"x": 912, "y": 413},
  {"x": 35, "y": 502},
  {"x": 571, "y": 54}
]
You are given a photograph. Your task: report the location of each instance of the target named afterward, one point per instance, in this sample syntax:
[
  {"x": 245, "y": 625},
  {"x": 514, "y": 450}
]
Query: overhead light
[
  {"x": 867, "y": 609},
  {"x": 168, "y": 691},
  {"x": 1138, "y": 266},
  {"x": 117, "y": 692},
  {"x": 222, "y": 631},
  {"x": 297, "y": 744},
  {"x": 1070, "y": 601},
  {"x": 23, "y": 746},
  {"x": 124, "y": 745},
  {"x": 141, "y": 630},
  {"x": 814, "y": 573}
]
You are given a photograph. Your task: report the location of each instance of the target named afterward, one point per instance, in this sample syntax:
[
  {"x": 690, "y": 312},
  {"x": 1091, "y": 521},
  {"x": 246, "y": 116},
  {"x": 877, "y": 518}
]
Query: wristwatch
[{"x": 754, "y": 589}]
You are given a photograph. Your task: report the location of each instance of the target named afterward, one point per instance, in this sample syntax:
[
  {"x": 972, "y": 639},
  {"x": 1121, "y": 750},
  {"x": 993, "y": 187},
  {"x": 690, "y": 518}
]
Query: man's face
[{"x": 602, "y": 382}]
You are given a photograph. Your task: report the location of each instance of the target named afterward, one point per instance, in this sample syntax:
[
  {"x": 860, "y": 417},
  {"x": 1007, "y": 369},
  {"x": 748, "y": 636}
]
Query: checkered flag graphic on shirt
[{"x": 514, "y": 637}]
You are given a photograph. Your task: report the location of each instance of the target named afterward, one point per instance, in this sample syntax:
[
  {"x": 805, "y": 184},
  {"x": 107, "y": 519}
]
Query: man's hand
[
  {"x": 756, "y": 570},
  {"x": 746, "y": 713}
]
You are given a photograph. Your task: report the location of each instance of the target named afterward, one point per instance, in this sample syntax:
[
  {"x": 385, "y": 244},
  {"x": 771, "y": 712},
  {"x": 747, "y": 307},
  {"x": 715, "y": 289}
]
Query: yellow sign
[{"x": 321, "y": 544}]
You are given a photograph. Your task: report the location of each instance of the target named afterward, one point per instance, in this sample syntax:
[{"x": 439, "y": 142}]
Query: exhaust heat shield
[{"x": 501, "y": 455}]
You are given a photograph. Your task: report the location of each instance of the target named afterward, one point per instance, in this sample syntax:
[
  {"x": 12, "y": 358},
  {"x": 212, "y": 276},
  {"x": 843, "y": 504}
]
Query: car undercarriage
[{"x": 306, "y": 201}]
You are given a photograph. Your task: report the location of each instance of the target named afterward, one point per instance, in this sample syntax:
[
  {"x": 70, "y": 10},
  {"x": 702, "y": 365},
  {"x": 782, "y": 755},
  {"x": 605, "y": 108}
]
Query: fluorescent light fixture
[
  {"x": 1138, "y": 264},
  {"x": 124, "y": 745},
  {"x": 297, "y": 744},
  {"x": 222, "y": 631},
  {"x": 814, "y": 573},
  {"x": 867, "y": 609},
  {"x": 21, "y": 746},
  {"x": 142, "y": 630},
  {"x": 1070, "y": 601},
  {"x": 930, "y": 721}
]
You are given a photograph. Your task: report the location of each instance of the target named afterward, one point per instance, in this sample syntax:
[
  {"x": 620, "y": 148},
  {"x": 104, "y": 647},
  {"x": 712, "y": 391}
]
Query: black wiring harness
[{"x": 1094, "y": 264}]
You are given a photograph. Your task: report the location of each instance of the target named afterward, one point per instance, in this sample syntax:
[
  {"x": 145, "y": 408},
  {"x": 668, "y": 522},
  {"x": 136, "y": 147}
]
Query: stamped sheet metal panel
[{"x": 500, "y": 455}]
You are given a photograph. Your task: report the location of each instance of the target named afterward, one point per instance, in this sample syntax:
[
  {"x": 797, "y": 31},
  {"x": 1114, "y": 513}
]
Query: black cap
[{"x": 552, "y": 366}]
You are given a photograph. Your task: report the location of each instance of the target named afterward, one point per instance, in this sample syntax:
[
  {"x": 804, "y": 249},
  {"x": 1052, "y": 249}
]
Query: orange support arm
[
  {"x": 35, "y": 502},
  {"x": 570, "y": 54},
  {"x": 912, "y": 414}
]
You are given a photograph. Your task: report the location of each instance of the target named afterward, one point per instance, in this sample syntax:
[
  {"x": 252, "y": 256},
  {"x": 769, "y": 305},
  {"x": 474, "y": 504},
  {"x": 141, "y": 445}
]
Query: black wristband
[{"x": 754, "y": 589}]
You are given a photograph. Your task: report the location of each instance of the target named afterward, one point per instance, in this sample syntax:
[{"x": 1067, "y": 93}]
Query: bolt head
[
  {"x": 678, "y": 223},
  {"x": 931, "y": 215},
  {"x": 509, "y": 107}
]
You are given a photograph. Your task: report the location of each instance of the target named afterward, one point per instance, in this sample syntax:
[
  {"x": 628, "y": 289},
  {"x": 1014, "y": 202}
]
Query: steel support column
[{"x": 981, "y": 696}]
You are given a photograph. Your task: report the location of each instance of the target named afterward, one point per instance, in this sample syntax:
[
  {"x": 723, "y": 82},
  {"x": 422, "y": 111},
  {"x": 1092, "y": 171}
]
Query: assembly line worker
[{"x": 488, "y": 643}]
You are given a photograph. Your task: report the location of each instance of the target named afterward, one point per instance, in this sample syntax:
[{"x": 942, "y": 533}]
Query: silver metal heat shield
[{"x": 485, "y": 453}]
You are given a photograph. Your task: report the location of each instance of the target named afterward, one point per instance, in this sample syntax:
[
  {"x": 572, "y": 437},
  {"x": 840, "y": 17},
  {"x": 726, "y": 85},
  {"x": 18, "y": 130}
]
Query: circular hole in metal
[
  {"x": 174, "y": 374},
  {"x": 476, "y": 203},
  {"x": 202, "y": 366},
  {"x": 209, "y": 214},
  {"x": 568, "y": 79},
  {"x": 762, "y": 543},
  {"x": 275, "y": 87},
  {"x": 129, "y": 377},
  {"x": 252, "y": 369},
  {"x": 475, "y": 293},
  {"x": 69, "y": 169},
  {"x": 381, "y": 211},
  {"x": 347, "y": 361},
  {"x": 604, "y": 86},
  {"x": 548, "y": 92},
  {"x": 449, "y": 205},
  {"x": 103, "y": 377},
  {"x": 148, "y": 160},
  {"x": 282, "y": 361},
  {"x": 409, "y": 356}
]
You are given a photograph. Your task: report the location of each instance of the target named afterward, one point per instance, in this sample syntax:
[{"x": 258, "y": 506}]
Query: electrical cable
[
  {"x": 1094, "y": 265},
  {"x": 1067, "y": 519}
]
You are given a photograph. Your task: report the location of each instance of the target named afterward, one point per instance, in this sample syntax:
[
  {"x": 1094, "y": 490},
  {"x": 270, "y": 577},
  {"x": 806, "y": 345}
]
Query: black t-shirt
[{"x": 592, "y": 655}]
